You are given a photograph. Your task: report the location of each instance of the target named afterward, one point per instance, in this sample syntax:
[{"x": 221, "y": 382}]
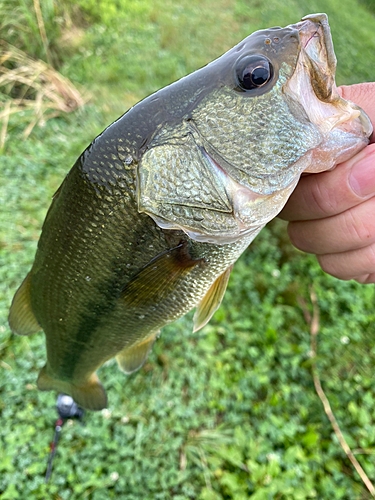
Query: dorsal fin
[
  {"x": 132, "y": 358},
  {"x": 211, "y": 301},
  {"x": 21, "y": 317},
  {"x": 159, "y": 277}
]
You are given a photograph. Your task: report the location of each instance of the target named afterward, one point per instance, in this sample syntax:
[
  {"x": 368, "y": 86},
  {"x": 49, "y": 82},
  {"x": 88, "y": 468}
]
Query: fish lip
[
  {"x": 318, "y": 58},
  {"x": 318, "y": 54},
  {"x": 322, "y": 21}
]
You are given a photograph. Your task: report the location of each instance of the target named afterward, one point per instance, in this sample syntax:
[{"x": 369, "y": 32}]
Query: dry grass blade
[
  {"x": 314, "y": 330},
  {"x": 32, "y": 85},
  {"x": 5, "y": 125},
  {"x": 42, "y": 30}
]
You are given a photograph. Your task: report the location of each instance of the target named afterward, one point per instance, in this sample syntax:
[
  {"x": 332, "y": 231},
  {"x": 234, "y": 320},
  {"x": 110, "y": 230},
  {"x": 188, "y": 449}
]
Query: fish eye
[{"x": 253, "y": 72}]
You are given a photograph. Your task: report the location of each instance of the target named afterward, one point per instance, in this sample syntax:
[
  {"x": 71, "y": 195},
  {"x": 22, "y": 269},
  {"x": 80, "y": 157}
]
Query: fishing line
[{"x": 66, "y": 408}]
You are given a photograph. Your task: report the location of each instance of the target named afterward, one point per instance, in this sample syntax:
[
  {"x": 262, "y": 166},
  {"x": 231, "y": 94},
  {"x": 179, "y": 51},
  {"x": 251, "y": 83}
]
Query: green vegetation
[{"x": 229, "y": 412}]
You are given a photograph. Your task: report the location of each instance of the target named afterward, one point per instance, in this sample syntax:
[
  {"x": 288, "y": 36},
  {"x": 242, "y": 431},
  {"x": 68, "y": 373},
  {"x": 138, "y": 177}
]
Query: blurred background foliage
[{"x": 229, "y": 412}]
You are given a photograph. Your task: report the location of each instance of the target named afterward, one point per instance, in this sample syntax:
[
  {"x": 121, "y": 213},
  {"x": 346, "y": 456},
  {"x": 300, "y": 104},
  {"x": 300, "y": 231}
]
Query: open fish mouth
[{"x": 313, "y": 84}]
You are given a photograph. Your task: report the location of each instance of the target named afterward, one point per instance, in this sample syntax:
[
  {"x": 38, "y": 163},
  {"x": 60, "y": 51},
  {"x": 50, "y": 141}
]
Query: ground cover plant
[{"x": 229, "y": 412}]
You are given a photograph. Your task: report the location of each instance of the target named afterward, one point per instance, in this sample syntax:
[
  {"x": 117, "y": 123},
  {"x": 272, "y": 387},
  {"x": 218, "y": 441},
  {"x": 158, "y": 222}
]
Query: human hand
[{"x": 332, "y": 214}]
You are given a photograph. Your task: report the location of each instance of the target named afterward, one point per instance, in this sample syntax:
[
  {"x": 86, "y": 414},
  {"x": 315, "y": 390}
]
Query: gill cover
[{"x": 180, "y": 189}]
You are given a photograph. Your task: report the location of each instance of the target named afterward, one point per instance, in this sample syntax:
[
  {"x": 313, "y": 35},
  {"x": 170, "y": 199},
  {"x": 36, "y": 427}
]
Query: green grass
[
  {"x": 229, "y": 412},
  {"x": 19, "y": 26}
]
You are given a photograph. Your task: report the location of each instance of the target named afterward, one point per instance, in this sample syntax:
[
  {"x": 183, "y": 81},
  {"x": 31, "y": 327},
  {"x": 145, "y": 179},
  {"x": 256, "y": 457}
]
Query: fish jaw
[
  {"x": 344, "y": 126},
  {"x": 318, "y": 54}
]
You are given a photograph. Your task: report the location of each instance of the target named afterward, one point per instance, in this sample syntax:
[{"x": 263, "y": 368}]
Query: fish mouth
[
  {"x": 313, "y": 87},
  {"x": 318, "y": 54}
]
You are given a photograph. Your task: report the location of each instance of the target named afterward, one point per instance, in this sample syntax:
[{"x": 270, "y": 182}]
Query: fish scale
[
  {"x": 261, "y": 162},
  {"x": 151, "y": 218}
]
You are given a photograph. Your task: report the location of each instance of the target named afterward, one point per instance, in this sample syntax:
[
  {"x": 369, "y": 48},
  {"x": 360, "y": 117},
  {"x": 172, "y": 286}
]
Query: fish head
[{"x": 267, "y": 111}]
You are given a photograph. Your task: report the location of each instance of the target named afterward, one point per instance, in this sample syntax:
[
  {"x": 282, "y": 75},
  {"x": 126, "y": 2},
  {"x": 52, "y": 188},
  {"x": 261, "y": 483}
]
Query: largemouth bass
[{"x": 151, "y": 218}]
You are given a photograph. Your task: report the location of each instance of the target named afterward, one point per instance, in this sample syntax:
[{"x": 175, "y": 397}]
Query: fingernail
[{"x": 362, "y": 176}]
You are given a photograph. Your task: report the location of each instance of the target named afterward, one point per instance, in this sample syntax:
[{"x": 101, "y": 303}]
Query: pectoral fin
[
  {"x": 159, "y": 277},
  {"x": 211, "y": 301},
  {"x": 21, "y": 317},
  {"x": 132, "y": 358},
  {"x": 91, "y": 395}
]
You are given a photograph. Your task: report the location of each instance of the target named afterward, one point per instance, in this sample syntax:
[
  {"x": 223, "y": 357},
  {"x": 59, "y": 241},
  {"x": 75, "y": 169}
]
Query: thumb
[{"x": 329, "y": 193}]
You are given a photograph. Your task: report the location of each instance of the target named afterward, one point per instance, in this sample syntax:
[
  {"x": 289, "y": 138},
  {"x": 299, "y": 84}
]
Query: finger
[
  {"x": 348, "y": 265},
  {"x": 362, "y": 94},
  {"x": 350, "y": 230},
  {"x": 365, "y": 279},
  {"x": 318, "y": 196}
]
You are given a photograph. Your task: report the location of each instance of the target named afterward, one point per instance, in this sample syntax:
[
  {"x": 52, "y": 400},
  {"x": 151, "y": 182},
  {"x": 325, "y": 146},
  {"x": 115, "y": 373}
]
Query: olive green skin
[{"x": 80, "y": 272}]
